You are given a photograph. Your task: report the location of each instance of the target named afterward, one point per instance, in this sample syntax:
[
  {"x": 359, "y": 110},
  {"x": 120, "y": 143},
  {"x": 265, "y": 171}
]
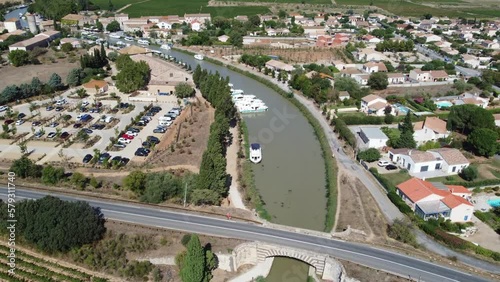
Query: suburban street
[{"x": 358, "y": 253}]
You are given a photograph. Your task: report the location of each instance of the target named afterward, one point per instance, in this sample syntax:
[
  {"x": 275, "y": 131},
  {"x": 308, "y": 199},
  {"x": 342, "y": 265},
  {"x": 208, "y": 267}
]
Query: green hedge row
[
  {"x": 330, "y": 164},
  {"x": 344, "y": 131},
  {"x": 479, "y": 183},
  {"x": 417, "y": 106}
]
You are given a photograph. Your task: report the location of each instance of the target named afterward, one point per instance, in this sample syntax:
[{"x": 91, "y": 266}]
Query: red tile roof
[
  {"x": 453, "y": 201},
  {"x": 458, "y": 189},
  {"x": 417, "y": 189}
]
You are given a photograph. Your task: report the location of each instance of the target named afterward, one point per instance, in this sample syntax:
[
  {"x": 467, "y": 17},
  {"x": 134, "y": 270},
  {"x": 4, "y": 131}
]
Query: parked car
[
  {"x": 153, "y": 139},
  {"x": 39, "y": 134},
  {"x": 3, "y": 108},
  {"x": 391, "y": 167},
  {"x": 8, "y": 121},
  {"x": 126, "y": 136},
  {"x": 149, "y": 114},
  {"x": 116, "y": 159},
  {"x": 383, "y": 163},
  {"x": 141, "y": 153},
  {"x": 159, "y": 130},
  {"x": 49, "y": 108},
  {"x": 145, "y": 150},
  {"x": 64, "y": 135},
  {"x": 133, "y": 129},
  {"x": 61, "y": 102},
  {"x": 20, "y": 121},
  {"x": 103, "y": 157},
  {"x": 88, "y": 131},
  {"x": 77, "y": 125},
  {"x": 124, "y": 105},
  {"x": 51, "y": 135},
  {"x": 54, "y": 124},
  {"x": 119, "y": 145},
  {"x": 97, "y": 126},
  {"x": 124, "y": 161},
  {"x": 95, "y": 110},
  {"x": 35, "y": 123},
  {"x": 156, "y": 109},
  {"x": 21, "y": 115},
  {"x": 124, "y": 140},
  {"x": 140, "y": 123},
  {"x": 58, "y": 109},
  {"x": 85, "y": 103},
  {"x": 131, "y": 133},
  {"x": 87, "y": 158}
]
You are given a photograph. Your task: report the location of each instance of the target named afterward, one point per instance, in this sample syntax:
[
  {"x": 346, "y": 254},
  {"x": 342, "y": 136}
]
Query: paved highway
[{"x": 355, "y": 252}]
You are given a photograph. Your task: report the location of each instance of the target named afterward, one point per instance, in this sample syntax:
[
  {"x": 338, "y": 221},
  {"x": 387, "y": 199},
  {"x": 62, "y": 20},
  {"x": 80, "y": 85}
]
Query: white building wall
[
  {"x": 458, "y": 168},
  {"x": 377, "y": 143},
  {"x": 462, "y": 213}
]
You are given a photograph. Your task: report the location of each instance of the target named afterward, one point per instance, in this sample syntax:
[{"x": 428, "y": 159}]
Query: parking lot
[{"x": 46, "y": 150}]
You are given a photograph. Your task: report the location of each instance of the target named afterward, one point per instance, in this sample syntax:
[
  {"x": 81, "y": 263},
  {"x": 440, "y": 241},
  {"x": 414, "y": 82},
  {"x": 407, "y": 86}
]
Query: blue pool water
[
  {"x": 443, "y": 104},
  {"x": 494, "y": 202},
  {"x": 402, "y": 109}
]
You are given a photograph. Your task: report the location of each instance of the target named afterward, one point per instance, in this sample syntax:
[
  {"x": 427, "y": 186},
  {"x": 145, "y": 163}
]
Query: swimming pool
[
  {"x": 443, "y": 104},
  {"x": 494, "y": 202},
  {"x": 402, "y": 109}
]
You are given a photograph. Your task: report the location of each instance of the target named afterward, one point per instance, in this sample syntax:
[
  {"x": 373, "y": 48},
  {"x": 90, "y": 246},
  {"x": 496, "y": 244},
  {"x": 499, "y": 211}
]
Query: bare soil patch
[
  {"x": 435, "y": 90},
  {"x": 358, "y": 209},
  {"x": 186, "y": 139},
  {"x": 363, "y": 273},
  {"x": 50, "y": 64}
]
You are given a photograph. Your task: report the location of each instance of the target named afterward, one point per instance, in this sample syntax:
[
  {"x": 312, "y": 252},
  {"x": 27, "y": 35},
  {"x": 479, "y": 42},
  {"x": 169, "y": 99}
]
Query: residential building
[
  {"x": 396, "y": 78},
  {"x": 277, "y": 65},
  {"x": 314, "y": 31},
  {"x": 490, "y": 44},
  {"x": 371, "y": 39},
  {"x": 12, "y": 24},
  {"x": 344, "y": 95},
  {"x": 373, "y": 104},
  {"x": 372, "y": 67},
  {"x": 436, "y": 162},
  {"x": 96, "y": 86},
  {"x": 121, "y": 18},
  {"x": 361, "y": 79},
  {"x": 46, "y": 25},
  {"x": 201, "y": 18},
  {"x": 426, "y": 76},
  {"x": 132, "y": 25},
  {"x": 471, "y": 60},
  {"x": 196, "y": 25},
  {"x": 4, "y": 36},
  {"x": 371, "y": 137},
  {"x": 163, "y": 24},
  {"x": 241, "y": 18},
  {"x": 75, "y": 42},
  {"x": 432, "y": 38},
  {"x": 40, "y": 40},
  {"x": 431, "y": 129},
  {"x": 473, "y": 99},
  {"x": 435, "y": 200},
  {"x": 368, "y": 54}
]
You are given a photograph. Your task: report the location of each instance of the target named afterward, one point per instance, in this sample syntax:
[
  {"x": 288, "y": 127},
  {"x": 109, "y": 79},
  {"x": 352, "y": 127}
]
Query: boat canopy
[{"x": 255, "y": 146}]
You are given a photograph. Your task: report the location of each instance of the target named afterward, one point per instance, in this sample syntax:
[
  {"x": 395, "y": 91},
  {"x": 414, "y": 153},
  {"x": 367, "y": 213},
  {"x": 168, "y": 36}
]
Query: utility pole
[{"x": 185, "y": 194}]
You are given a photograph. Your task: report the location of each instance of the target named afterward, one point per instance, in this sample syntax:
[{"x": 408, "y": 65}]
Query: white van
[
  {"x": 165, "y": 123},
  {"x": 107, "y": 119}
]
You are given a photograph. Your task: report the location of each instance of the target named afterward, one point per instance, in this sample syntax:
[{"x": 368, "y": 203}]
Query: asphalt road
[{"x": 354, "y": 252}]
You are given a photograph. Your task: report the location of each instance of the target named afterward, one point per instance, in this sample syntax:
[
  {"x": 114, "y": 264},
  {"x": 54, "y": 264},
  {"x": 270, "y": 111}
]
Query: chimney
[{"x": 409, "y": 153}]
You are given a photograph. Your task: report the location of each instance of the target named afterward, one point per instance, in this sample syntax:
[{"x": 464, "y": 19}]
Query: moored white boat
[
  {"x": 236, "y": 91},
  {"x": 199, "y": 57},
  {"x": 165, "y": 47},
  {"x": 255, "y": 153},
  {"x": 114, "y": 35},
  {"x": 143, "y": 42}
]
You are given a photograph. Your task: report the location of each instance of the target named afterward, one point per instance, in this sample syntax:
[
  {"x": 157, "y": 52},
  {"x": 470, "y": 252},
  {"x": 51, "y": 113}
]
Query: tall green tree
[
  {"x": 184, "y": 90},
  {"x": 466, "y": 118},
  {"x": 55, "y": 82},
  {"x": 19, "y": 58},
  {"x": 484, "y": 141},
  {"x": 135, "y": 181},
  {"x": 378, "y": 81},
  {"x": 113, "y": 26},
  {"x": 406, "y": 139},
  {"x": 193, "y": 265}
]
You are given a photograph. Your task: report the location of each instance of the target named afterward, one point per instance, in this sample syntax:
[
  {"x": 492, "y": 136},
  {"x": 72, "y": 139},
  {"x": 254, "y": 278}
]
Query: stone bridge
[{"x": 253, "y": 253}]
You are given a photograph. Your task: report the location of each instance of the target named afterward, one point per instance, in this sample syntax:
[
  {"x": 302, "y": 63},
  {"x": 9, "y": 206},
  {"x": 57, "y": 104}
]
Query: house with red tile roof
[
  {"x": 431, "y": 129},
  {"x": 435, "y": 200}
]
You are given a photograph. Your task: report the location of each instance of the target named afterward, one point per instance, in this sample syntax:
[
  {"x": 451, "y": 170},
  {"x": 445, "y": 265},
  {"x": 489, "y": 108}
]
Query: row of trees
[
  {"x": 133, "y": 75},
  {"x": 196, "y": 262},
  {"x": 12, "y": 93},
  {"x": 318, "y": 88},
  {"x": 211, "y": 184},
  {"x": 97, "y": 59},
  {"x": 395, "y": 46},
  {"x": 258, "y": 61},
  {"x": 49, "y": 223}
]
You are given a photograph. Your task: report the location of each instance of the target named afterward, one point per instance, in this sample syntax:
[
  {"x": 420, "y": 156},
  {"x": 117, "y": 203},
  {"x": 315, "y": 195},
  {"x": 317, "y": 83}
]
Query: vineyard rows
[{"x": 30, "y": 268}]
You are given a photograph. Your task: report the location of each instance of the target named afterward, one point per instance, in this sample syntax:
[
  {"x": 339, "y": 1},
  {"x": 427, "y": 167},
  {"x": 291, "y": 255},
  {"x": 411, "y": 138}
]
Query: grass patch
[
  {"x": 173, "y": 7},
  {"x": 445, "y": 178},
  {"x": 397, "y": 178},
  {"x": 495, "y": 172},
  {"x": 104, "y": 4},
  {"x": 489, "y": 218}
]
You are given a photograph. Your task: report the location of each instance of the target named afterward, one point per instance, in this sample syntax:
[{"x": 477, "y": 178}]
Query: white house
[
  {"x": 435, "y": 200},
  {"x": 446, "y": 160},
  {"x": 368, "y": 54},
  {"x": 361, "y": 79},
  {"x": 431, "y": 129},
  {"x": 277, "y": 65},
  {"x": 223, "y": 38},
  {"x": 371, "y": 137},
  {"x": 164, "y": 25},
  {"x": 12, "y": 24},
  {"x": 371, "y": 39},
  {"x": 344, "y": 95},
  {"x": 396, "y": 78},
  {"x": 426, "y": 76},
  {"x": 490, "y": 44},
  {"x": 373, "y": 104},
  {"x": 432, "y": 38},
  {"x": 372, "y": 67},
  {"x": 196, "y": 25},
  {"x": 470, "y": 60},
  {"x": 189, "y": 18}
]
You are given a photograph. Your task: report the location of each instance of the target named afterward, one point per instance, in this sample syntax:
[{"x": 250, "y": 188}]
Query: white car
[
  {"x": 131, "y": 133},
  {"x": 19, "y": 122},
  {"x": 124, "y": 140},
  {"x": 383, "y": 163},
  {"x": 85, "y": 103},
  {"x": 3, "y": 108}
]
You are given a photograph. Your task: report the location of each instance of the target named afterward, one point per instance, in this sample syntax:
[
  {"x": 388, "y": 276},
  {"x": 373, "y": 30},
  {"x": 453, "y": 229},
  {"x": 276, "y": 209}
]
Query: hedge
[
  {"x": 344, "y": 131},
  {"x": 417, "y": 106},
  {"x": 356, "y": 119},
  {"x": 479, "y": 183}
]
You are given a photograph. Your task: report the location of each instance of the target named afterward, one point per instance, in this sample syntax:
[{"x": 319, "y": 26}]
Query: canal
[{"x": 291, "y": 176}]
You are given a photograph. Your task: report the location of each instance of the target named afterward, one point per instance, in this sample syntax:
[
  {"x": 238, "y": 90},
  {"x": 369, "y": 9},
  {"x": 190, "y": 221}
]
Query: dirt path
[
  {"x": 235, "y": 198},
  {"x": 128, "y": 5},
  {"x": 100, "y": 173}
]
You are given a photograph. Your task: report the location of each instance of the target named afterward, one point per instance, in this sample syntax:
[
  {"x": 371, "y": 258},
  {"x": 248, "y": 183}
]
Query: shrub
[
  {"x": 185, "y": 239},
  {"x": 369, "y": 155},
  {"x": 469, "y": 173},
  {"x": 402, "y": 230}
]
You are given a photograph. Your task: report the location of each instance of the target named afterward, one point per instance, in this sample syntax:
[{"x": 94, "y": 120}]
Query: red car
[
  {"x": 126, "y": 136},
  {"x": 9, "y": 121}
]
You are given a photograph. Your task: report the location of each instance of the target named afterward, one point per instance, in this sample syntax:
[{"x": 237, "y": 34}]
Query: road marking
[{"x": 309, "y": 243}]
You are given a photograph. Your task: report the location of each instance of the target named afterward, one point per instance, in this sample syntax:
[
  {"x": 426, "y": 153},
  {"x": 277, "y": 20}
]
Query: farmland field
[
  {"x": 404, "y": 8},
  {"x": 31, "y": 268},
  {"x": 176, "y": 7},
  {"x": 285, "y": 1}
]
